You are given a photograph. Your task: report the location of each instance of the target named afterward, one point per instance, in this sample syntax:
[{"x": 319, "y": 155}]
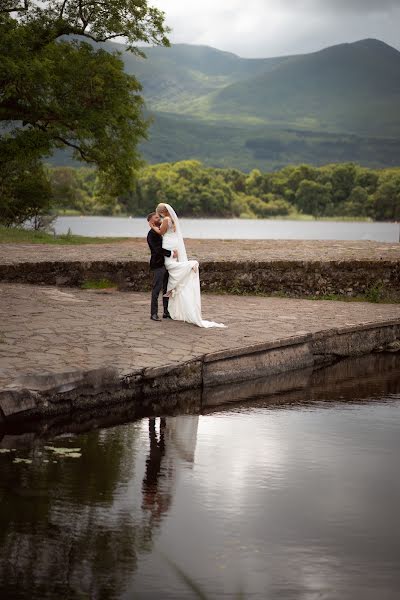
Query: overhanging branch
[
  {"x": 65, "y": 141},
  {"x": 83, "y": 154}
]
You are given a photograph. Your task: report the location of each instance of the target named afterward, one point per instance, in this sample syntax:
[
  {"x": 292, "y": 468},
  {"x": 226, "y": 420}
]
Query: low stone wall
[
  {"x": 291, "y": 278},
  {"x": 302, "y": 278}
]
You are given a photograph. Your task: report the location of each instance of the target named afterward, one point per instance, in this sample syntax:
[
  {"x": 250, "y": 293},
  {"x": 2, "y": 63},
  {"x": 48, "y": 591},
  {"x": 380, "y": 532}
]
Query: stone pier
[{"x": 63, "y": 351}]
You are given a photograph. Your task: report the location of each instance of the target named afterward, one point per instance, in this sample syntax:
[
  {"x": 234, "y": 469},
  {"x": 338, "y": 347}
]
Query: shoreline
[
  {"x": 257, "y": 230},
  {"x": 292, "y": 217},
  {"x": 357, "y": 376}
]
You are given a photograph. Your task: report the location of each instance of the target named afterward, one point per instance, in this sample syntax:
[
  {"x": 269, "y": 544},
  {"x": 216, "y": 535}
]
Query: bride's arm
[{"x": 163, "y": 227}]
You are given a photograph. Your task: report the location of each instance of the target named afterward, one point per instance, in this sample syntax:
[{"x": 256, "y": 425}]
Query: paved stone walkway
[
  {"x": 46, "y": 330},
  {"x": 219, "y": 250}
]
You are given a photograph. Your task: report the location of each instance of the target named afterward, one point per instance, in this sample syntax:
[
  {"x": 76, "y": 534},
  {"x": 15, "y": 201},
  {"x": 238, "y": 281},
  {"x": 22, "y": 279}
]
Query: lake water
[
  {"x": 235, "y": 229},
  {"x": 279, "y": 502}
]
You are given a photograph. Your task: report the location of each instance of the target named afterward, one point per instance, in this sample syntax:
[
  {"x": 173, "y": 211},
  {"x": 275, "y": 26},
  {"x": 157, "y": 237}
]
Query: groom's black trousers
[{"x": 160, "y": 282}]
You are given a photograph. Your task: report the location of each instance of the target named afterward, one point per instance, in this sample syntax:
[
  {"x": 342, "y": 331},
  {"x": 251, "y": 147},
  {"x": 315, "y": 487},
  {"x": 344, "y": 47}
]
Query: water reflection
[
  {"x": 76, "y": 526},
  {"x": 295, "y": 498}
]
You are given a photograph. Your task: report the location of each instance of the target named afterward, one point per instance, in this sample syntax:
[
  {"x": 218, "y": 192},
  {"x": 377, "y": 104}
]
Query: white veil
[{"x": 182, "y": 256}]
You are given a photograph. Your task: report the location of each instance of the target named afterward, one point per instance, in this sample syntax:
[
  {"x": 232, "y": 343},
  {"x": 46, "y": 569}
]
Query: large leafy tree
[
  {"x": 59, "y": 88},
  {"x": 386, "y": 200},
  {"x": 313, "y": 198}
]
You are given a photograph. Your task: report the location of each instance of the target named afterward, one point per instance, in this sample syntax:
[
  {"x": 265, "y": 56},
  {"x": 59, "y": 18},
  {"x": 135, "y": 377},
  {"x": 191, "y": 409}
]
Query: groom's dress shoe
[
  {"x": 166, "y": 315},
  {"x": 155, "y": 318}
]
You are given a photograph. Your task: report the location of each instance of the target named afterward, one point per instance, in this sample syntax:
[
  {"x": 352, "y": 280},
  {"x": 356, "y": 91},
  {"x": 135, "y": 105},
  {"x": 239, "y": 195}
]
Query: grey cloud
[
  {"x": 261, "y": 28},
  {"x": 360, "y": 6},
  {"x": 364, "y": 5}
]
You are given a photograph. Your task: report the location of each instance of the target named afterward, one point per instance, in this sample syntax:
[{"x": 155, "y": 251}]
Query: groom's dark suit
[{"x": 160, "y": 273}]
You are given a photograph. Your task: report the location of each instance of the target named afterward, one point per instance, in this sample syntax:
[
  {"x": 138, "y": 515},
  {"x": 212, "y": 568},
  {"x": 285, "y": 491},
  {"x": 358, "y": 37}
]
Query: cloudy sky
[{"x": 264, "y": 28}]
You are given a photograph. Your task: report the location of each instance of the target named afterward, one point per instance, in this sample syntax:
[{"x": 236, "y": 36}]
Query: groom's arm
[{"x": 155, "y": 247}]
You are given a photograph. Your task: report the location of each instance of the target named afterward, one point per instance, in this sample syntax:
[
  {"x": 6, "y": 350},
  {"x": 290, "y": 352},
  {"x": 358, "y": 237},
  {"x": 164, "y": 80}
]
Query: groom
[{"x": 160, "y": 273}]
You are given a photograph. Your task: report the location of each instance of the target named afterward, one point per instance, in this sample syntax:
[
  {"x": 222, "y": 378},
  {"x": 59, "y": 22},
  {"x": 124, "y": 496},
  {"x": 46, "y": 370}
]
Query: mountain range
[{"x": 339, "y": 104}]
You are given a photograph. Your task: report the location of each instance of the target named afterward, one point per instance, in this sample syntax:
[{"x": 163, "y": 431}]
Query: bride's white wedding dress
[{"x": 184, "y": 280}]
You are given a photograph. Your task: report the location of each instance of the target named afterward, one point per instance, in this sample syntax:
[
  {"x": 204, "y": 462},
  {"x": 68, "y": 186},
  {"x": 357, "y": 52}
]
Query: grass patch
[
  {"x": 359, "y": 298},
  {"x": 375, "y": 295},
  {"x": 68, "y": 212},
  {"x": 98, "y": 284},
  {"x": 18, "y": 235},
  {"x": 387, "y": 299}
]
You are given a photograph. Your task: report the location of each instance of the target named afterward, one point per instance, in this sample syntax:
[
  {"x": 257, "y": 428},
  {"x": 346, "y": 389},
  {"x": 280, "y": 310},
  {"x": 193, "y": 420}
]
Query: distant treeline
[{"x": 335, "y": 190}]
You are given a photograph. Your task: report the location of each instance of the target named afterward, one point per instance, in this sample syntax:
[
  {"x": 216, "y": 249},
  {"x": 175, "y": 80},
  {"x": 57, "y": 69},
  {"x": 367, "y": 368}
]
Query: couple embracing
[{"x": 173, "y": 274}]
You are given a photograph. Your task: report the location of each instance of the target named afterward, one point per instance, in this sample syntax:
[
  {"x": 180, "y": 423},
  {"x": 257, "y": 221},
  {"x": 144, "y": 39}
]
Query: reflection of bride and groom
[
  {"x": 170, "y": 448},
  {"x": 173, "y": 274}
]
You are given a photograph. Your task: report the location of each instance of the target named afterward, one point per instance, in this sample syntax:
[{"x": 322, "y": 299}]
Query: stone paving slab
[
  {"x": 45, "y": 330},
  {"x": 208, "y": 250}
]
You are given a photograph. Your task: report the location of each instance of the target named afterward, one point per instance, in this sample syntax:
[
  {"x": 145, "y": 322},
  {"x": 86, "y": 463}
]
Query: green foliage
[
  {"x": 376, "y": 293},
  {"x": 386, "y": 199},
  {"x": 59, "y": 90},
  {"x": 358, "y": 203},
  {"x": 192, "y": 189},
  {"x": 98, "y": 284},
  {"x": 195, "y": 190},
  {"x": 82, "y": 190},
  {"x": 24, "y": 188},
  {"x": 313, "y": 198}
]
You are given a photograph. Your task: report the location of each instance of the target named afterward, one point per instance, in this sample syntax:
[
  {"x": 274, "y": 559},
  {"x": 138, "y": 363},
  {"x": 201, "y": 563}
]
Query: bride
[{"x": 184, "y": 281}]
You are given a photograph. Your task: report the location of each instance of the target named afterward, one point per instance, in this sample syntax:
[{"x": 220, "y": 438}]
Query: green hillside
[
  {"x": 244, "y": 146},
  {"x": 351, "y": 87},
  {"x": 175, "y": 79},
  {"x": 338, "y": 104}
]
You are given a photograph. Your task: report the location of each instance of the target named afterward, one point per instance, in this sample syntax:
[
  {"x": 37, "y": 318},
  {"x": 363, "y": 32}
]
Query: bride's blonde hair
[{"x": 162, "y": 207}]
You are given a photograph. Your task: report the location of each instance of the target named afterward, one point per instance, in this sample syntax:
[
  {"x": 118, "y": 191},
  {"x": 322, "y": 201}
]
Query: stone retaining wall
[
  {"x": 349, "y": 380},
  {"x": 161, "y": 388},
  {"x": 302, "y": 278},
  {"x": 291, "y": 278}
]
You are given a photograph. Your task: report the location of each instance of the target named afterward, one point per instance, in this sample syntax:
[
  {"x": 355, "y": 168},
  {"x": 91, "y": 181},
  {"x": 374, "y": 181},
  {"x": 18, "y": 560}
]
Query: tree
[
  {"x": 275, "y": 207},
  {"x": 254, "y": 182},
  {"x": 386, "y": 200},
  {"x": 367, "y": 179},
  {"x": 313, "y": 198},
  {"x": 25, "y": 192},
  {"x": 235, "y": 178},
  {"x": 196, "y": 190},
  {"x": 59, "y": 90},
  {"x": 67, "y": 191},
  {"x": 342, "y": 180},
  {"x": 358, "y": 204},
  {"x": 299, "y": 174}
]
